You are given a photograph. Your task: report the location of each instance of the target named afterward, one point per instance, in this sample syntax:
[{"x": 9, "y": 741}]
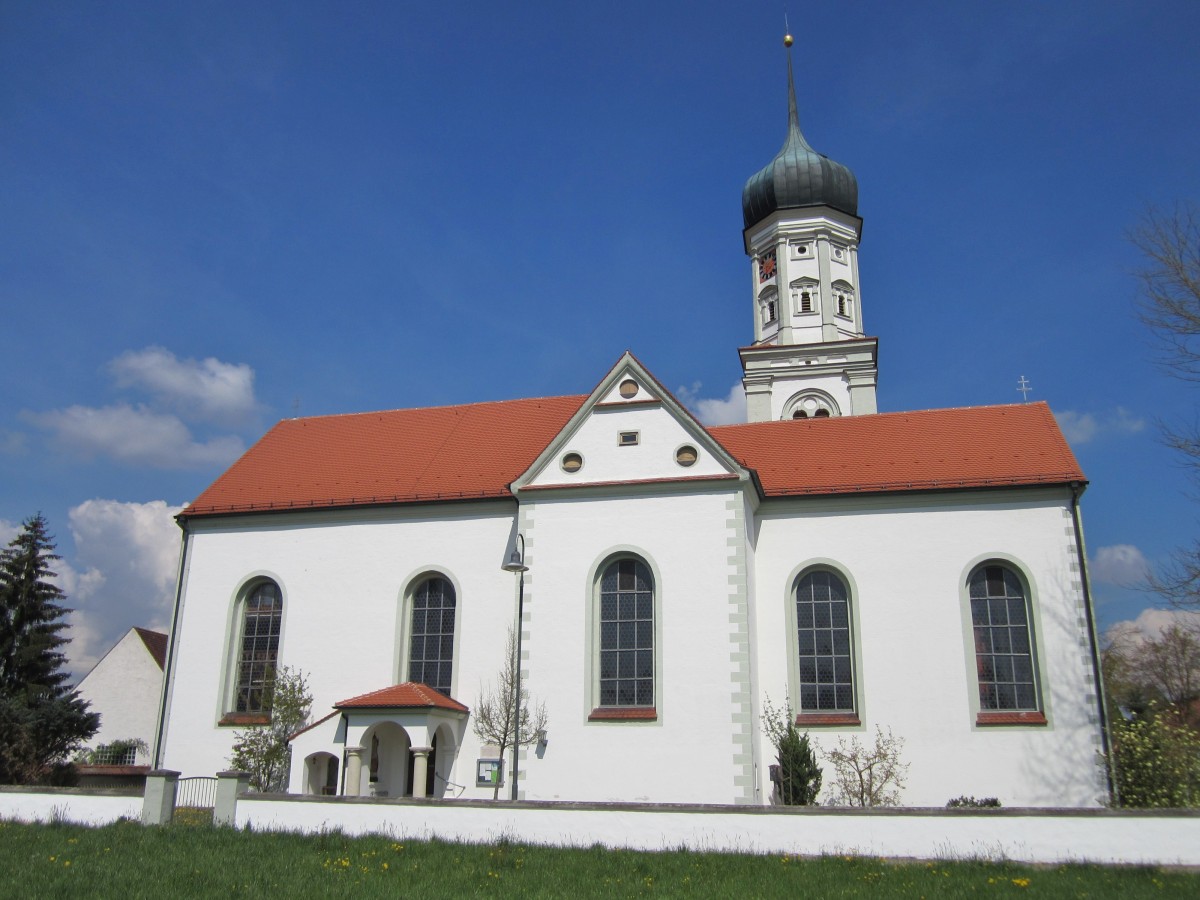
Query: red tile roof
[
  {"x": 980, "y": 446},
  {"x": 404, "y": 455},
  {"x": 409, "y": 695},
  {"x": 156, "y": 643},
  {"x": 476, "y": 451}
]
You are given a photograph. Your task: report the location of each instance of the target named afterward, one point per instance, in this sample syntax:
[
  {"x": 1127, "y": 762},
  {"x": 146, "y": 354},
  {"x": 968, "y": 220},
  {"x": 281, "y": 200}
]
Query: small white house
[
  {"x": 921, "y": 572},
  {"x": 125, "y": 687}
]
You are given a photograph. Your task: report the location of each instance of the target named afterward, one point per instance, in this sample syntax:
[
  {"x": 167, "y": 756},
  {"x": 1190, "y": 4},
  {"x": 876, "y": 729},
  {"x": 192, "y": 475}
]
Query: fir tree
[{"x": 41, "y": 719}]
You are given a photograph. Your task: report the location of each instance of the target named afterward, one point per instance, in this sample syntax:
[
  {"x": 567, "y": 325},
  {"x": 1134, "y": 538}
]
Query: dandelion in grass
[{"x": 1021, "y": 882}]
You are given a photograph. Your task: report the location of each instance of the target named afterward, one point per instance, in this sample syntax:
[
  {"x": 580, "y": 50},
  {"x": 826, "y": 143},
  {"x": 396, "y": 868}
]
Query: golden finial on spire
[{"x": 787, "y": 34}]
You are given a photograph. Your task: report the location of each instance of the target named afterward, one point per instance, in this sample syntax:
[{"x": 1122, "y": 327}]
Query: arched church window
[
  {"x": 1000, "y": 621},
  {"x": 627, "y": 629},
  {"x": 431, "y": 641},
  {"x": 825, "y": 661},
  {"x": 258, "y": 647}
]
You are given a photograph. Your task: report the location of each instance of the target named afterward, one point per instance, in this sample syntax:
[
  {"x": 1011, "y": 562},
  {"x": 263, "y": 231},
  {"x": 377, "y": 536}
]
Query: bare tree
[
  {"x": 1170, "y": 296},
  {"x": 495, "y": 717},
  {"x": 1141, "y": 671},
  {"x": 868, "y": 776},
  {"x": 1169, "y": 305}
]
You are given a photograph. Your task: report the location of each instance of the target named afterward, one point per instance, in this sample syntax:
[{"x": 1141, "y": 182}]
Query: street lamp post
[{"x": 516, "y": 563}]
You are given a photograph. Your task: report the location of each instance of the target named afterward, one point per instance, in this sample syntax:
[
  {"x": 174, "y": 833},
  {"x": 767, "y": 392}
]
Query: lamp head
[{"x": 515, "y": 562}]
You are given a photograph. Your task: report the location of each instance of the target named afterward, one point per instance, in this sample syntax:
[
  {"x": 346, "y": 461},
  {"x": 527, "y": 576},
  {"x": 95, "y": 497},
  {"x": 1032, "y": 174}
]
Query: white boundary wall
[
  {"x": 78, "y": 806},
  {"x": 1024, "y": 835}
]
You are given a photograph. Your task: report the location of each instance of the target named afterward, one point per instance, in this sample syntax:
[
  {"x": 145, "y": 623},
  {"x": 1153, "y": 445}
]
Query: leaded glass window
[
  {"x": 262, "y": 615},
  {"x": 826, "y": 666},
  {"x": 1003, "y": 650},
  {"x": 431, "y": 644},
  {"x": 627, "y": 634}
]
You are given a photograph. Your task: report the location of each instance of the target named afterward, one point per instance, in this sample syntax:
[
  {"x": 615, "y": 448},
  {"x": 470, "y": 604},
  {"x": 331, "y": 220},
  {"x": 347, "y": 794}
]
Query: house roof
[
  {"x": 403, "y": 455},
  {"x": 476, "y": 451},
  {"x": 410, "y": 695},
  {"x": 979, "y": 446},
  {"x": 156, "y": 643}
]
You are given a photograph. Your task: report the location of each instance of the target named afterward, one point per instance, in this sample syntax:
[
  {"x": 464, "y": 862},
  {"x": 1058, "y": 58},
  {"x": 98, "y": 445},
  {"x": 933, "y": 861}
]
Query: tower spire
[
  {"x": 810, "y": 357},
  {"x": 793, "y": 113}
]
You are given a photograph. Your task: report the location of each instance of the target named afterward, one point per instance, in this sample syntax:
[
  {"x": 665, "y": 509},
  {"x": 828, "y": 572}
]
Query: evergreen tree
[
  {"x": 800, "y": 775},
  {"x": 41, "y": 720}
]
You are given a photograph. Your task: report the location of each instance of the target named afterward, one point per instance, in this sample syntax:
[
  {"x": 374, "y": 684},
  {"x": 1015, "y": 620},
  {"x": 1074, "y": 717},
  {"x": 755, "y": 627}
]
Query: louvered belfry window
[
  {"x": 823, "y": 642},
  {"x": 261, "y": 620},
  {"x": 431, "y": 645},
  {"x": 627, "y": 634},
  {"x": 1003, "y": 649}
]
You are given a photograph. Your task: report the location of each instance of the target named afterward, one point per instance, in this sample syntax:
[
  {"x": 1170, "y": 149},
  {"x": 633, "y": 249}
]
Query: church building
[{"x": 919, "y": 572}]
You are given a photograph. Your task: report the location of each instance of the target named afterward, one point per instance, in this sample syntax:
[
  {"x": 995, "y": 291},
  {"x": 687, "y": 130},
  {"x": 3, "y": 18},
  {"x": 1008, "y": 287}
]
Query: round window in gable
[
  {"x": 572, "y": 462},
  {"x": 686, "y": 455},
  {"x": 628, "y": 388}
]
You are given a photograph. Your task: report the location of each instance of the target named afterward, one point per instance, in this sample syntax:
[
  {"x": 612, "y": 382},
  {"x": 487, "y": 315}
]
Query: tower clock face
[{"x": 766, "y": 266}]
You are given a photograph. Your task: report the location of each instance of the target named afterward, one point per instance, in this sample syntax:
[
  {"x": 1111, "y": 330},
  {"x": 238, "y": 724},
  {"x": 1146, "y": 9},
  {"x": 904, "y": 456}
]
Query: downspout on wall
[
  {"x": 172, "y": 642},
  {"x": 1110, "y": 764}
]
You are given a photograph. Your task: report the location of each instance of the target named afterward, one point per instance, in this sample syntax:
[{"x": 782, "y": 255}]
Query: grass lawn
[{"x": 129, "y": 861}]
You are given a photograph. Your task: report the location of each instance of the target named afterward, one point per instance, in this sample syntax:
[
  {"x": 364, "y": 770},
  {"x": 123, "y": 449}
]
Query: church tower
[{"x": 810, "y": 356}]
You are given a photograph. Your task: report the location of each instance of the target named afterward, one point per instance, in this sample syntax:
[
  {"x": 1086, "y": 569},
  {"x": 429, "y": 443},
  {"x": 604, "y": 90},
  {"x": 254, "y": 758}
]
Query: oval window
[
  {"x": 686, "y": 455},
  {"x": 572, "y": 462},
  {"x": 628, "y": 388}
]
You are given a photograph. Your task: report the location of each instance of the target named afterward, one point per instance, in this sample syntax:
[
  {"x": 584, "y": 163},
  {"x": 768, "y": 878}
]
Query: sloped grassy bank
[{"x": 129, "y": 861}]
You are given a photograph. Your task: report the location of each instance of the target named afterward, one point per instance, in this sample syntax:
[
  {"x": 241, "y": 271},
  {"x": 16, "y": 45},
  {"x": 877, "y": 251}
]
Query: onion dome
[{"x": 798, "y": 176}]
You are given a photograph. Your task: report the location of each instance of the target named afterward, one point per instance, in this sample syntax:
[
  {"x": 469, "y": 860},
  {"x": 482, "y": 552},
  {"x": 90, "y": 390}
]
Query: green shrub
[
  {"x": 966, "y": 802},
  {"x": 799, "y": 775},
  {"x": 1157, "y": 762}
]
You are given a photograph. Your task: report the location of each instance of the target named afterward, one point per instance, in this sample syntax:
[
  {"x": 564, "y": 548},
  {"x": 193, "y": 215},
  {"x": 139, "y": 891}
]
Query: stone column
[
  {"x": 420, "y": 770},
  {"x": 158, "y": 803},
  {"x": 229, "y": 786},
  {"x": 354, "y": 761}
]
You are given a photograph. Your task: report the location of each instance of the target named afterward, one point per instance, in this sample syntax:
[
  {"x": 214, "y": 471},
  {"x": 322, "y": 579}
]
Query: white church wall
[
  {"x": 343, "y": 578},
  {"x": 124, "y": 688},
  {"x": 907, "y": 560},
  {"x": 689, "y": 753},
  {"x": 723, "y": 583},
  {"x": 606, "y": 459}
]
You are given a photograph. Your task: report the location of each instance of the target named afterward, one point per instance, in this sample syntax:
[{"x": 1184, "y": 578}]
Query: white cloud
[
  {"x": 123, "y": 573},
  {"x": 206, "y": 389},
  {"x": 8, "y": 531},
  {"x": 1151, "y": 623},
  {"x": 1079, "y": 428},
  {"x": 135, "y": 435},
  {"x": 728, "y": 411},
  {"x": 1122, "y": 565}
]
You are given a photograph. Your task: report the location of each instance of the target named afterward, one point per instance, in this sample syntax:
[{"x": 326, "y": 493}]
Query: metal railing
[{"x": 198, "y": 792}]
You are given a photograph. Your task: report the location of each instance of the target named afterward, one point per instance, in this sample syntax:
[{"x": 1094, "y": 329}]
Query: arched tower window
[
  {"x": 811, "y": 404},
  {"x": 843, "y": 299},
  {"x": 431, "y": 640},
  {"x": 1004, "y": 658},
  {"x": 768, "y": 301},
  {"x": 258, "y": 653},
  {"x": 805, "y": 296},
  {"x": 626, "y": 634},
  {"x": 824, "y": 644}
]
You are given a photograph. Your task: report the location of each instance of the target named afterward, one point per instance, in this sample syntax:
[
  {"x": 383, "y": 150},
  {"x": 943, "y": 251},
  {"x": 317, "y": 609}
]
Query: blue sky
[{"x": 217, "y": 215}]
